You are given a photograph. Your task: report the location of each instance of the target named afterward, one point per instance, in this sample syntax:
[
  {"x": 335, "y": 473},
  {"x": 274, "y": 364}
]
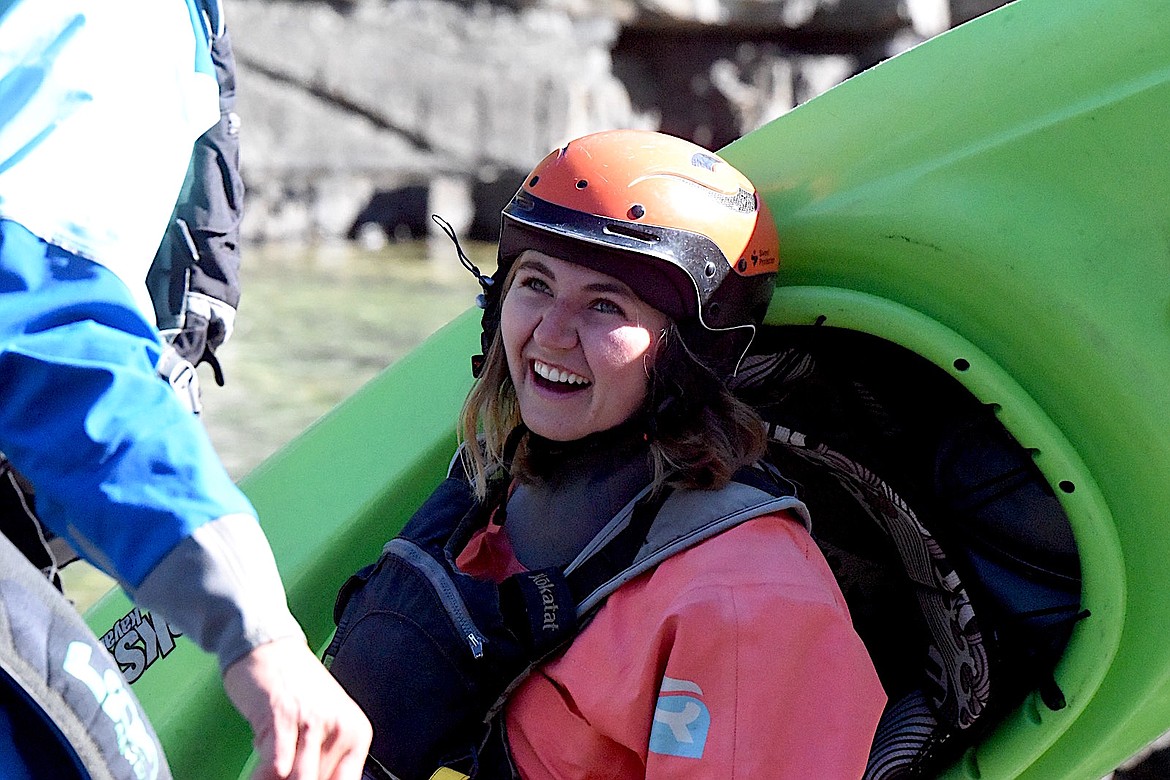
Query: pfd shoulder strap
[{"x": 659, "y": 524}]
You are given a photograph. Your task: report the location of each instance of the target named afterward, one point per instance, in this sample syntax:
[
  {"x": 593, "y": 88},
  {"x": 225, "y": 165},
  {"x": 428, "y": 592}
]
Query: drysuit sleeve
[
  {"x": 194, "y": 280},
  {"x": 221, "y": 588}
]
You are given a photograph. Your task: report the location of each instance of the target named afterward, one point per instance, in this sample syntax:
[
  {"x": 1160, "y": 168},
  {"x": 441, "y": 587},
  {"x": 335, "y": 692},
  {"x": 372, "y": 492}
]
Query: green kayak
[{"x": 996, "y": 200}]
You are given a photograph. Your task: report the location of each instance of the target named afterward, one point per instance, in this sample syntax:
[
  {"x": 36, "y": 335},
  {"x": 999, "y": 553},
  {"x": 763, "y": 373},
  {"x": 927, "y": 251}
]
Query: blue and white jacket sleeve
[
  {"x": 122, "y": 471},
  {"x": 90, "y": 165}
]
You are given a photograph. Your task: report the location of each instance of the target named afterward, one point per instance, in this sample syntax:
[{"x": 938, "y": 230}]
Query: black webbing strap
[
  {"x": 541, "y": 606},
  {"x": 618, "y": 554}
]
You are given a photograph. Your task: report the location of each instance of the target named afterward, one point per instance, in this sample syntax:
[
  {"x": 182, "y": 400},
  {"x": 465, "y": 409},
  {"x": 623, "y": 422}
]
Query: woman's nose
[{"x": 557, "y": 328}]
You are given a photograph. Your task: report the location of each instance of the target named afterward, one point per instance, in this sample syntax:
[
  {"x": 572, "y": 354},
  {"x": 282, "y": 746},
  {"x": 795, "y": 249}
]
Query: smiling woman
[{"x": 623, "y": 570}]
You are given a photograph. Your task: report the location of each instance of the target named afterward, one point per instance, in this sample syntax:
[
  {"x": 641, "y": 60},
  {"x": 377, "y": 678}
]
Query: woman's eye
[
  {"x": 608, "y": 307},
  {"x": 535, "y": 283}
]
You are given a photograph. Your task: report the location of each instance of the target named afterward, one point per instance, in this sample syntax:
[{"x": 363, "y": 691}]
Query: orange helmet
[{"x": 684, "y": 229}]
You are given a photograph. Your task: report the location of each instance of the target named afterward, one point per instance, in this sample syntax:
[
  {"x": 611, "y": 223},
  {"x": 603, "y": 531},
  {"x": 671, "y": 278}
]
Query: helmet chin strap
[
  {"x": 484, "y": 280},
  {"x": 483, "y": 300}
]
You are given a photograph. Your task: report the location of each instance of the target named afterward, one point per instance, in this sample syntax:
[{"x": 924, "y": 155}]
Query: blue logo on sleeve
[{"x": 681, "y": 720}]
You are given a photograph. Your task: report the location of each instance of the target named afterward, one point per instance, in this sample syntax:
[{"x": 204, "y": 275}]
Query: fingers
[
  {"x": 346, "y": 750},
  {"x": 349, "y": 766},
  {"x": 307, "y": 763},
  {"x": 325, "y": 751},
  {"x": 266, "y": 769},
  {"x": 305, "y": 726},
  {"x": 289, "y": 752}
]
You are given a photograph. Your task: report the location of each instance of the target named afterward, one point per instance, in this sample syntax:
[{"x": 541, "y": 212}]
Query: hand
[{"x": 305, "y": 726}]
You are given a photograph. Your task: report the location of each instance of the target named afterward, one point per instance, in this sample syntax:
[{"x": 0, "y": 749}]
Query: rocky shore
[{"x": 361, "y": 117}]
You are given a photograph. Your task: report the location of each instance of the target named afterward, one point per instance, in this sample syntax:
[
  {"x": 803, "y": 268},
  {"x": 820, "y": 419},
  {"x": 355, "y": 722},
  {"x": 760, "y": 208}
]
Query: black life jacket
[{"x": 431, "y": 653}]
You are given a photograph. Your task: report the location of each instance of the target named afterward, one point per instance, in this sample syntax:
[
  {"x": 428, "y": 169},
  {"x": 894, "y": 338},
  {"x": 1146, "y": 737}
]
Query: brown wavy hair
[{"x": 700, "y": 433}]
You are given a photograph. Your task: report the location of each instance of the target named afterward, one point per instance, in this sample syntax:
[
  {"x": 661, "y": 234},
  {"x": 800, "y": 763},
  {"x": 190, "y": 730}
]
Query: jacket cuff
[
  {"x": 212, "y": 309},
  {"x": 221, "y": 588}
]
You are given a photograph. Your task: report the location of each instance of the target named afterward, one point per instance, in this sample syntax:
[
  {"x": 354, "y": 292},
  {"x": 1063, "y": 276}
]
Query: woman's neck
[{"x": 574, "y": 489}]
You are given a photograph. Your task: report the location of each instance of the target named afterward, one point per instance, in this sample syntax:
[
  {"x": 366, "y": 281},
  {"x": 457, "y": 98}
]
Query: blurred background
[{"x": 362, "y": 116}]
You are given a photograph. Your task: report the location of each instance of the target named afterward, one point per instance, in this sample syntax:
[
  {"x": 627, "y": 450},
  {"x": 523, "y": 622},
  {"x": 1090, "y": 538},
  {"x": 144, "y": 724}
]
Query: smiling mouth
[{"x": 556, "y": 378}]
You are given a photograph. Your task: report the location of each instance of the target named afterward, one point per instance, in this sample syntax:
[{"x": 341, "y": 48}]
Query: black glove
[
  {"x": 207, "y": 324},
  {"x": 197, "y": 340}
]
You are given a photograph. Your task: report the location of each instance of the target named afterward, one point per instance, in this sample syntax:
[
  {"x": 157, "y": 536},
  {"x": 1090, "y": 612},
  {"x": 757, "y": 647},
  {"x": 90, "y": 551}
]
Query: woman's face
[{"x": 578, "y": 344}]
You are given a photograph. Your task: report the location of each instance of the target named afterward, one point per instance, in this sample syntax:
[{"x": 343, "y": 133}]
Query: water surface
[{"x": 316, "y": 324}]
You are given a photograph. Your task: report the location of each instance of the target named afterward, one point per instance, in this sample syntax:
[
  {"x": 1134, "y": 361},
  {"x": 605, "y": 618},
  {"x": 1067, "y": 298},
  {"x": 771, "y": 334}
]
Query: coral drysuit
[{"x": 735, "y": 658}]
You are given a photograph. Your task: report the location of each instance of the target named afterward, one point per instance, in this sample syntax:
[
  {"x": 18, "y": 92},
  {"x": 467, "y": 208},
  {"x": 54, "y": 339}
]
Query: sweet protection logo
[{"x": 681, "y": 720}]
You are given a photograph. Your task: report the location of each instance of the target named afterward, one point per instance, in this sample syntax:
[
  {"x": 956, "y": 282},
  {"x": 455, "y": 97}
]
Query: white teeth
[{"x": 556, "y": 375}]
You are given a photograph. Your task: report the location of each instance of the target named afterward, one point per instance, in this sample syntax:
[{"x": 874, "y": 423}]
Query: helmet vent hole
[
  {"x": 709, "y": 270},
  {"x": 713, "y": 311},
  {"x": 637, "y": 211},
  {"x": 532, "y": 182},
  {"x": 582, "y": 184},
  {"x": 742, "y": 201},
  {"x": 632, "y": 232}
]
